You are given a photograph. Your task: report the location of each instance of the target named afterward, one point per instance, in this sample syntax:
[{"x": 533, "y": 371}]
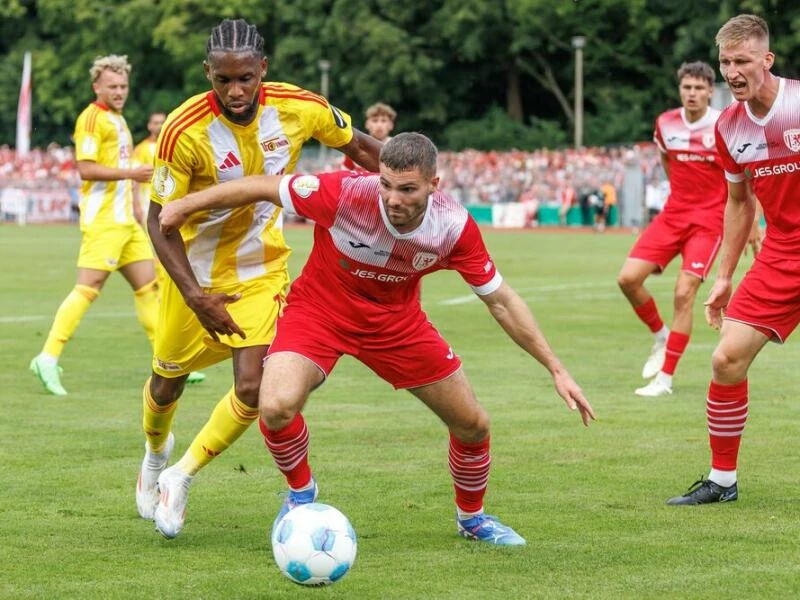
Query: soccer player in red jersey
[
  {"x": 689, "y": 225},
  {"x": 375, "y": 237},
  {"x": 758, "y": 137}
]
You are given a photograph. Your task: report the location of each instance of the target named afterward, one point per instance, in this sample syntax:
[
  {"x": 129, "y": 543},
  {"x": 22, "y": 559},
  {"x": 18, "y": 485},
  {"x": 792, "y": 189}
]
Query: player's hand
[
  {"x": 573, "y": 396},
  {"x": 142, "y": 173},
  {"x": 172, "y": 216},
  {"x": 717, "y": 301},
  {"x": 213, "y": 315}
]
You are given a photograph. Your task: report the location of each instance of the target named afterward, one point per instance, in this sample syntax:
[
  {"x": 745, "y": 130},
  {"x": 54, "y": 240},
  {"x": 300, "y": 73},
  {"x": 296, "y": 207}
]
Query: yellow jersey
[
  {"x": 144, "y": 154},
  {"x": 102, "y": 136},
  {"x": 199, "y": 147}
]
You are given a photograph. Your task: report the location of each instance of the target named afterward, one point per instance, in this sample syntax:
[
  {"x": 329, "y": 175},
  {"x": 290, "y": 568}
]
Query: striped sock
[
  {"x": 289, "y": 449},
  {"x": 469, "y": 466},
  {"x": 676, "y": 345},
  {"x": 726, "y": 411}
]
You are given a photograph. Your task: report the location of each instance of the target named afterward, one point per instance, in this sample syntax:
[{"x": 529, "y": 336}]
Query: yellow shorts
[
  {"x": 182, "y": 344},
  {"x": 110, "y": 248}
]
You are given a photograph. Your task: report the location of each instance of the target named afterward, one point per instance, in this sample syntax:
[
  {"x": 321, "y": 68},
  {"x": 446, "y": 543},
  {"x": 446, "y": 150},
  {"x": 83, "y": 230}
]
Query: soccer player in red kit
[
  {"x": 689, "y": 225},
  {"x": 758, "y": 137},
  {"x": 375, "y": 237}
]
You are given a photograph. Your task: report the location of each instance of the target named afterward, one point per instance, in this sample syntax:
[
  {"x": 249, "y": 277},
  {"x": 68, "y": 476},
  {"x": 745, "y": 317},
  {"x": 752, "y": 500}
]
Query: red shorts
[
  {"x": 665, "y": 238},
  {"x": 768, "y": 299},
  {"x": 407, "y": 355}
]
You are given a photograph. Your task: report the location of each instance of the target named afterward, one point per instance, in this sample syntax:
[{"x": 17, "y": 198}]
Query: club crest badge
[
  {"x": 791, "y": 137},
  {"x": 423, "y": 260}
]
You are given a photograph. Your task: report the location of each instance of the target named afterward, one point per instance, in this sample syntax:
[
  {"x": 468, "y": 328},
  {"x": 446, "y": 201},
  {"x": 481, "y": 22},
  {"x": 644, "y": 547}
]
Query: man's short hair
[
  {"x": 741, "y": 28},
  {"x": 113, "y": 62},
  {"x": 697, "y": 69},
  {"x": 409, "y": 151},
  {"x": 379, "y": 108}
]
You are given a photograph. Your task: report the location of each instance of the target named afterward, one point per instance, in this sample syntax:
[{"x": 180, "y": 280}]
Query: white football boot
[
  {"x": 654, "y": 389},
  {"x": 656, "y": 359},
  {"x": 173, "y": 486},
  {"x": 152, "y": 465}
]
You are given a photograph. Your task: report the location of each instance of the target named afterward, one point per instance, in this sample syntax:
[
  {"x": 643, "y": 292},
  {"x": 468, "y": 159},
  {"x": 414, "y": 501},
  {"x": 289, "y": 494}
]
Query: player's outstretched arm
[
  {"x": 238, "y": 192},
  {"x": 514, "y": 316}
]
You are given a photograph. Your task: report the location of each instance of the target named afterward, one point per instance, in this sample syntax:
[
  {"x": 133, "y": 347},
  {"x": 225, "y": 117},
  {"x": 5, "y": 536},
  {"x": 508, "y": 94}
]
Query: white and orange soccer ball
[{"x": 314, "y": 544}]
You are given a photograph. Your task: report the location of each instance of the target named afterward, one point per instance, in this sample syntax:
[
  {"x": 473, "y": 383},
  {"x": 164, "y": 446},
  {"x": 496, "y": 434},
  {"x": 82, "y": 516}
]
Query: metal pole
[
  {"x": 578, "y": 43},
  {"x": 325, "y": 69}
]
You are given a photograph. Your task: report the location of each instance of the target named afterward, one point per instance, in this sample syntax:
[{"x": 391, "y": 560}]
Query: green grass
[{"x": 589, "y": 501}]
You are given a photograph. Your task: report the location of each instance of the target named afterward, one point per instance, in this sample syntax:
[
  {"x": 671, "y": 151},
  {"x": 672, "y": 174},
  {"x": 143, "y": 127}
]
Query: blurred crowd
[
  {"x": 51, "y": 167},
  {"x": 558, "y": 178}
]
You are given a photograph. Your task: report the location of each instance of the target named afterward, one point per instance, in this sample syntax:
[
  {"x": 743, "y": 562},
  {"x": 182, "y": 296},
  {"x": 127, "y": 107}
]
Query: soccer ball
[{"x": 314, "y": 544}]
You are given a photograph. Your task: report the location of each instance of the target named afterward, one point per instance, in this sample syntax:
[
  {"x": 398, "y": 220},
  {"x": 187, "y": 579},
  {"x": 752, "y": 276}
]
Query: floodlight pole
[
  {"x": 578, "y": 43},
  {"x": 325, "y": 69}
]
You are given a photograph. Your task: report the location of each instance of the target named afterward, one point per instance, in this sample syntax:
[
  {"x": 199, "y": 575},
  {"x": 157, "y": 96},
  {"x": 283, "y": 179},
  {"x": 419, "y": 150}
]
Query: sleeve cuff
[
  {"x": 734, "y": 177},
  {"x": 286, "y": 196},
  {"x": 488, "y": 288}
]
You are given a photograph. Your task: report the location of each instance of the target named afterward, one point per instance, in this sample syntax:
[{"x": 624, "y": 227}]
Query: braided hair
[{"x": 235, "y": 36}]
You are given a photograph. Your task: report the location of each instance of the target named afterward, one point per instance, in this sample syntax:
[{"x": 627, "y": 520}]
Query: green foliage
[
  {"x": 497, "y": 131},
  {"x": 438, "y": 62}
]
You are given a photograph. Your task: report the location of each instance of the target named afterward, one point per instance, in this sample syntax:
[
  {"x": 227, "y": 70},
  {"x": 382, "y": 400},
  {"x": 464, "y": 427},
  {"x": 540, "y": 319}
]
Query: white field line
[{"x": 537, "y": 291}]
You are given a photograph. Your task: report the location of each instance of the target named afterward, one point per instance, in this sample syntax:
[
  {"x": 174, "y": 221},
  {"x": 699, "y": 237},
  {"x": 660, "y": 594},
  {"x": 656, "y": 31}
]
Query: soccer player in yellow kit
[
  {"x": 112, "y": 239},
  {"x": 145, "y": 154},
  {"x": 227, "y": 268}
]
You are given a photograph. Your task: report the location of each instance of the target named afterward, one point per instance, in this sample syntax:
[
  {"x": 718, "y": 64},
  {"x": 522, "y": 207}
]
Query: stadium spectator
[
  {"x": 766, "y": 304},
  {"x": 609, "y": 192},
  {"x": 689, "y": 225},
  {"x": 228, "y": 273},
  {"x": 368, "y": 308},
  {"x": 112, "y": 239},
  {"x": 380, "y": 120}
]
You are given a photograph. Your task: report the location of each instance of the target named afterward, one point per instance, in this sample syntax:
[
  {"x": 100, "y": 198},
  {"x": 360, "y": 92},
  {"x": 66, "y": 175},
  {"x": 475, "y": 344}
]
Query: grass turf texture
[{"x": 590, "y": 502}]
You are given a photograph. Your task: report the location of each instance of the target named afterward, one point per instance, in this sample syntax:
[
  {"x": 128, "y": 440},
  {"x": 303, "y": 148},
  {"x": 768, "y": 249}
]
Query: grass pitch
[{"x": 589, "y": 501}]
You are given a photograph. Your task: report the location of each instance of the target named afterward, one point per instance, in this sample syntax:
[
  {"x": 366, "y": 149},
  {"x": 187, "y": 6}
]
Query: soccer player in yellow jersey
[
  {"x": 145, "y": 154},
  {"x": 112, "y": 239},
  {"x": 227, "y": 267}
]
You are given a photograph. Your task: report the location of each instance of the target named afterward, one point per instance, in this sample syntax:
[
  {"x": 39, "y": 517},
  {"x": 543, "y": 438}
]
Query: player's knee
[
  {"x": 166, "y": 391},
  {"x": 627, "y": 283},
  {"x": 684, "y": 298},
  {"x": 474, "y": 430},
  {"x": 276, "y": 416},
  {"x": 277, "y": 409},
  {"x": 247, "y": 391},
  {"x": 726, "y": 367}
]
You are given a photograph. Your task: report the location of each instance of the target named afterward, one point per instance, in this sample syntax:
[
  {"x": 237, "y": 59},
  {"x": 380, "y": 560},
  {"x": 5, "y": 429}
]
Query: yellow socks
[
  {"x": 157, "y": 420},
  {"x": 230, "y": 419},
  {"x": 68, "y": 317},
  {"x": 145, "y": 299}
]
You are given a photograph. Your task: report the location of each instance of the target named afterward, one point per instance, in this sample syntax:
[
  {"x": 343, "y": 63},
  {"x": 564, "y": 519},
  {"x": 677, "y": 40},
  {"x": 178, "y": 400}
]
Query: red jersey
[
  {"x": 767, "y": 152},
  {"x": 698, "y": 191},
  {"x": 361, "y": 270}
]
